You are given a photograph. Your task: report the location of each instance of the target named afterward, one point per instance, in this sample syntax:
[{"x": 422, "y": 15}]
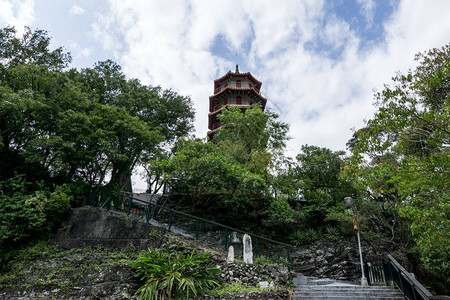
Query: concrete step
[
  {"x": 324, "y": 288},
  {"x": 352, "y": 297},
  {"x": 346, "y": 294},
  {"x": 362, "y": 289}
]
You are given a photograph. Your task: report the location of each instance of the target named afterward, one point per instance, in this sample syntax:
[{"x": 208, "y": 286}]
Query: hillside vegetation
[{"x": 63, "y": 131}]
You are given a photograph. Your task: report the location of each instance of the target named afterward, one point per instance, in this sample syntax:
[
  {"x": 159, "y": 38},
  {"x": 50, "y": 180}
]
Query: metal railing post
[
  {"x": 170, "y": 219},
  {"x": 414, "y": 291},
  {"x": 92, "y": 196},
  {"x": 106, "y": 202},
  {"x": 129, "y": 206},
  {"x": 126, "y": 209},
  {"x": 196, "y": 228},
  {"x": 149, "y": 210},
  {"x": 226, "y": 239},
  {"x": 400, "y": 280},
  {"x": 369, "y": 274},
  {"x": 288, "y": 258},
  {"x": 388, "y": 267}
]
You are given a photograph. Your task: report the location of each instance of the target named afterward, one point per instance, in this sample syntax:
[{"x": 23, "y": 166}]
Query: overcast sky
[{"x": 319, "y": 61}]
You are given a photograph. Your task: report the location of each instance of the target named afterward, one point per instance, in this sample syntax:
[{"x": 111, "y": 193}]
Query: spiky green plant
[
  {"x": 304, "y": 237},
  {"x": 172, "y": 275},
  {"x": 332, "y": 233}
]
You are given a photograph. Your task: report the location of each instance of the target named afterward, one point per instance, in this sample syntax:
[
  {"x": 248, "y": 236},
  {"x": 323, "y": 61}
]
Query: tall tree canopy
[
  {"x": 64, "y": 125},
  {"x": 231, "y": 173},
  {"x": 402, "y": 156}
]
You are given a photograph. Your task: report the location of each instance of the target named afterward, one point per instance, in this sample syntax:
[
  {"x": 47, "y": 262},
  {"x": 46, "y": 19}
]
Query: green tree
[
  {"x": 170, "y": 275},
  {"x": 315, "y": 176},
  {"x": 402, "y": 155},
  {"x": 253, "y": 138},
  {"x": 31, "y": 48},
  {"x": 211, "y": 179},
  {"x": 63, "y": 125},
  {"x": 163, "y": 115},
  {"x": 29, "y": 72},
  {"x": 26, "y": 216},
  {"x": 232, "y": 173}
]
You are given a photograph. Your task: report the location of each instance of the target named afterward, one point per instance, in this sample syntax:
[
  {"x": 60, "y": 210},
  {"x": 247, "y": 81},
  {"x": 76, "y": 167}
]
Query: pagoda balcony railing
[
  {"x": 216, "y": 126},
  {"x": 219, "y": 106},
  {"x": 225, "y": 104},
  {"x": 221, "y": 88}
]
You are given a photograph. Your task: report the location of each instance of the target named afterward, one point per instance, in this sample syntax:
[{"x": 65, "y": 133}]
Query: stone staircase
[{"x": 315, "y": 288}]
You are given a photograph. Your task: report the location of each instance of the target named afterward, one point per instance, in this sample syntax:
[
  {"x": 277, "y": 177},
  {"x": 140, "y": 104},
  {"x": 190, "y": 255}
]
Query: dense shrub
[
  {"x": 25, "y": 216},
  {"x": 305, "y": 237},
  {"x": 171, "y": 275}
]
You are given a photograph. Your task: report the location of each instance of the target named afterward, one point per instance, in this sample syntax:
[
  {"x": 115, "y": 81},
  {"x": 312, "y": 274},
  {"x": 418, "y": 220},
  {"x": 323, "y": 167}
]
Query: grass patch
[
  {"x": 43, "y": 266},
  {"x": 236, "y": 287}
]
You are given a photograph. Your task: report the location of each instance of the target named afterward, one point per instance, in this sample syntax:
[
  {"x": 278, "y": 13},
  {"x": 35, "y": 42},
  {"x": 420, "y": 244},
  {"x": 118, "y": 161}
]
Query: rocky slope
[
  {"x": 339, "y": 258},
  {"x": 90, "y": 259}
]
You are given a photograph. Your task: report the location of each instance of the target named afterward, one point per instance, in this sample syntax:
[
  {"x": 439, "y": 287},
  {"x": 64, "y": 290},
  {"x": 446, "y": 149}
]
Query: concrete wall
[{"x": 92, "y": 227}]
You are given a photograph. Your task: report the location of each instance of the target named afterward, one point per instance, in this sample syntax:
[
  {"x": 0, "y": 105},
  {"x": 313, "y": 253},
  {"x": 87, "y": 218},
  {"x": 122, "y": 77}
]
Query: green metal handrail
[
  {"x": 393, "y": 273},
  {"x": 145, "y": 210}
]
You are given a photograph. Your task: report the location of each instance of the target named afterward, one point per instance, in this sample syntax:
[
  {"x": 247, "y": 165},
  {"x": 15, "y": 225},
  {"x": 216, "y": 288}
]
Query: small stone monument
[
  {"x": 248, "y": 251},
  {"x": 230, "y": 257},
  {"x": 236, "y": 243}
]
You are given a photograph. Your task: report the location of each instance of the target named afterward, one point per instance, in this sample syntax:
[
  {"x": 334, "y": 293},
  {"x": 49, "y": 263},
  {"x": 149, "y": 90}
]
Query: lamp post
[{"x": 349, "y": 203}]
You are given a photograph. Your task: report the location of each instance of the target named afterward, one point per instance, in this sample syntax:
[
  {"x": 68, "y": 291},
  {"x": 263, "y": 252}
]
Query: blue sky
[{"x": 319, "y": 61}]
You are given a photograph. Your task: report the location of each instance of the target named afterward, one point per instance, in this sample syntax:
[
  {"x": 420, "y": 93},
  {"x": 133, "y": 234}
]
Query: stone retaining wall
[{"x": 92, "y": 227}]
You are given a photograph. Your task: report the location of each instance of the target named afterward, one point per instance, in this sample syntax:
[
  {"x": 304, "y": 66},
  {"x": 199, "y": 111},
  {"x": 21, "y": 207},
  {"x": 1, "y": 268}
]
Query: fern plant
[
  {"x": 332, "y": 233},
  {"x": 172, "y": 275},
  {"x": 304, "y": 237}
]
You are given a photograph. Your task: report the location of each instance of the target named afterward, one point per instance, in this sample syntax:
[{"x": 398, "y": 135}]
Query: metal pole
[
  {"x": 363, "y": 278},
  {"x": 196, "y": 229},
  {"x": 226, "y": 240},
  {"x": 149, "y": 210},
  {"x": 129, "y": 206},
  {"x": 170, "y": 220},
  {"x": 288, "y": 258}
]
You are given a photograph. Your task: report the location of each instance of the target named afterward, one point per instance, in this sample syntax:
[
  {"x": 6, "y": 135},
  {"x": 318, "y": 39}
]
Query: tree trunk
[{"x": 121, "y": 176}]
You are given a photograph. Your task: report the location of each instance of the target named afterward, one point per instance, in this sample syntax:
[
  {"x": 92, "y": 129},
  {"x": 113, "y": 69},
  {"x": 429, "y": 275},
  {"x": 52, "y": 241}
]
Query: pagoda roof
[
  {"x": 248, "y": 91},
  {"x": 251, "y": 92},
  {"x": 238, "y": 74}
]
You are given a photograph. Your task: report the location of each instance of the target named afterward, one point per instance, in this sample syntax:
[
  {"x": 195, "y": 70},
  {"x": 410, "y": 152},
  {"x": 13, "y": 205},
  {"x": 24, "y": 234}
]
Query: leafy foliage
[
  {"x": 332, "y": 233},
  {"x": 171, "y": 275},
  {"x": 401, "y": 157},
  {"x": 29, "y": 216},
  {"x": 66, "y": 126},
  {"x": 305, "y": 237},
  {"x": 31, "y": 48},
  {"x": 253, "y": 139}
]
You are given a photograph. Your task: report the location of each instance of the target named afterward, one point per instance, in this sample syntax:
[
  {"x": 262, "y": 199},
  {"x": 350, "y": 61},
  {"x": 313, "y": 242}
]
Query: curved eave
[
  {"x": 245, "y": 75},
  {"x": 211, "y": 133},
  {"x": 212, "y": 114},
  {"x": 248, "y": 92},
  {"x": 234, "y": 89}
]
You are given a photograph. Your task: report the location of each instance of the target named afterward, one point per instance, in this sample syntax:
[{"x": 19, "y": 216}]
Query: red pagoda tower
[{"x": 233, "y": 89}]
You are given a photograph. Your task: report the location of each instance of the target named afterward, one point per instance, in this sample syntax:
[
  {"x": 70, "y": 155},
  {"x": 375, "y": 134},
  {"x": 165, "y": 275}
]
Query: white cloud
[
  {"x": 79, "y": 52},
  {"x": 367, "y": 10},
  {"x": 16, "y": 13},
  {"x": 76, "y": 10},
  {"x": 86, "y": 52},
  {"x": 321, "y": 94}
]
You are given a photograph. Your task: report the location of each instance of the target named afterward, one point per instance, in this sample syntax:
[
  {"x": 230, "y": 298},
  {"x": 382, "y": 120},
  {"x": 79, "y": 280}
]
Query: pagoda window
[
  {"x": 238, "y": 100},
  {"x": 245, "y": 102},
  {"x": 238, "y": 83}
]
